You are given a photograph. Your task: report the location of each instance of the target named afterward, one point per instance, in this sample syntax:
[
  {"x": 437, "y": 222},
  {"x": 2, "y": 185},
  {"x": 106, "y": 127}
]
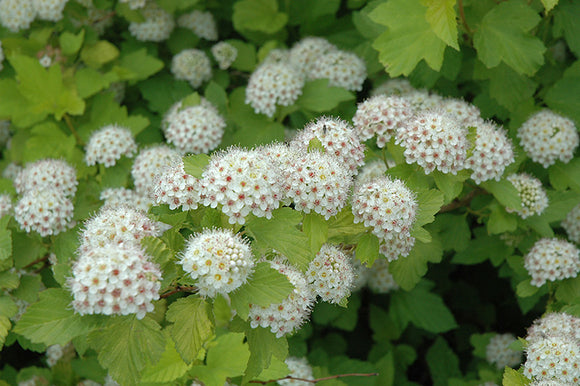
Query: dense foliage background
[{"x": 463, "y": 282}]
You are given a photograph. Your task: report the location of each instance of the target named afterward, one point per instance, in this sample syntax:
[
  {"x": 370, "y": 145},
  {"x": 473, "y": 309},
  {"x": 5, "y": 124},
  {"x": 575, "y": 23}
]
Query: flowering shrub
[{"x": 289, "y": 192}]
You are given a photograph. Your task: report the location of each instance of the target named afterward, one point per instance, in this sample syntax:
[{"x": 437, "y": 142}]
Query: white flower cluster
[
  {"x": 157, "y": 26},
  {"x": 117, "y": 225},
  {"x": 194, "y": 129},
  {"x": 17, "y": 14},
  {"x": 571, "y": 224},
  {"x": 330, "y": 274},
  {"x": 492, "y": 153},
  {"x": 547, "y": 137},
  {"x": 396, "y": 86},
  {"x": 5, "y": 205},
  {"x": 47, "y": 174},
  {"x": 499, "y": 353},
  {"x": 381, "y": 116},
  {"x": 555, "y": 324},
  {"x": 149, "y": 164},
  {"x": 304, "y": 54},
  {"x": 191, "y": 65},
  {"x": 108, "y": 144},
  {"x": 177, "y": 188},
  {"x": 46, "y": 187},
  {"x": 273, "y": 84},
  {"x": 115, "y": 197},
  {"x": 434, "y": 140},
  {"x": 299, "y": 368},
  {"x": 342, "y": 69},
  {"x": 379, "y": 279},
  {"x": 53, "y": 354},
  {"x": 372, "y": 170},
  {"x": 532, "y": 193},
  {"x": 11, "y": 171},
  {"x": 225, "y": 54},
  {"x": 219, "y": 260},
  {"x": 285, "y": 317},
  {"x": 241, "y": 182},
  {"x": 114, "y": 279},
  {"x": 389, "y": 208},
  {"x": 201, "y": 23},
  {"x": 337, "y": 137},
  {"x": 424, "y": 100},
  {"x": 134, "y": 4},
  {"x": 552, "y": 259},
  {"x": 317, "y": 182},
  {"x": 466, "y": 114},
  {"x": 50, "y": 10}
]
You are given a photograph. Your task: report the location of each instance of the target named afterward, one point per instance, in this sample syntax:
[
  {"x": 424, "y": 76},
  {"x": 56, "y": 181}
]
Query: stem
[
  {"x": 39, "y": 260},
  {"x": 462, "y": 16},
  {"x": 178, "y": 289},
  {"x": 318, "y": 379},
  {"x": 72, "y": 129},
  {"x": 460, "y": 203}
]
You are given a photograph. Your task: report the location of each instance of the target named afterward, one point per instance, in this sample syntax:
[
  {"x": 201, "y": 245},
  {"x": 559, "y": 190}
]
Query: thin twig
[
  {"x": 72, "y": 129},
  {"x": 462, "y": 16},
  {"x": 460, "y": 203},
  {"x": 318, "y": 379},
  {"x": 39, "y": 260},
  {"x": 177, "y": 289}
]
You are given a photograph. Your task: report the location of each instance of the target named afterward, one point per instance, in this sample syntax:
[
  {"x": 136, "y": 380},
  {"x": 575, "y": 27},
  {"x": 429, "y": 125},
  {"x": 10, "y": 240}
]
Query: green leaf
[
  {"x": 429, "y": 204},
  {"x": 218, "y": 97},
  {"x": 367, "y": 249},
  {"x": 450, "y": 185},
  {"x": 70, "y": 43},
  {"x": 51, "y": 320},
  {"x": 443, "y": 362},
  {"x": 263, "y": 346},
  {"x": 454, "y": 231},
  {"x": 9, "y": 280},
  {"x": 480, "y": 249},
  {"x": 162, "y": 91},
  {"x": 512, "y": 377},
  {"x": 408, "y": 271},
  {"x": 549, "y": 5},
  {"x": 480, "y": 342},
  {"x": 89, "y": 82},
  {"x": 501, "y": 221},
  {"x": 504, "y": 192},
  {"x": 342, "y": 229},
  {"x": 192, "y": 325},
  {"x": 319, "y": 97},
  {"x": 316, "y": 228},
  {"x": 503, "y": 36},
  {"x": 568, "y": 290},
  {"x": 422, "y": 308},
  {"x": 566, "y": 24},
  {"x": 560, "y": 97},
  {"x": 564, "y": 176},
  {"x": 5, "y": 326},
  {"x": 408, "y": 39},
  {"x": 15, "y": 107},
  {"x": 138, "y": 65},
  {"x": 5, "y": 242},
  {"x": 280, "y": 233},
  {"x": 97, "y": 54},
  {"x": 127, "y": 345},
  {"x": 526, "y": 289},
  {"x": 47, "y": 140},
  {"x": 258, "y": 15},
  {"x": 508, "y": 87},
  {"x": 443, "y": 20},
  {"x": 266, "y": 286},
  {"x": 170, "y": 366},
  {"x": 246, "y": 59},
  {"x": 176, "y": 5},
  {"x": 195, "y": 164}
]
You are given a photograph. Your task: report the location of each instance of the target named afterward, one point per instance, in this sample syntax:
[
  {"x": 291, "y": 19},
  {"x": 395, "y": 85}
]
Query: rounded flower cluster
[
  {"x": 115, "y": 279},
  {"x": 299, "y": 368},
  {"x": 134, "y": 4},
  {"x": 555, "y": 324},
  {"x": 379, "y": 279},
  {"x": 337, "y": 137},
  {"x": 423, "y": 100},
  {"x": 465, "y": 113},
  {"x": 532, "y": 193},
  {"x": 5, "y": 205},
  {"x": 342, "y": 69},
  {"x": 177, "y": 188},
  {"x": 372, "y": 170},
  {"x": 316, "y": 182},
  {"x": 242, "y": 182},
  {"x": 17, "y": 14},
  {"x": 11, "y": 171},
  {"x": 191, "y": 65},
  {"x": 194, "y": 129},
  {"x": 47, "y": 174},
  {"x": 552, "y": 259},
  {"x": 389, "y": 208},
  {"x": 273, "y": 84},
  {"x": 571, "y": 224},
  {"x": 225, "y": 54},
  {"x": 330, "y": 274},
  {"x": 278, "y": 55},
  {"x": 108, "y": 144},
  {"x": 47, "y": 211},
  {"x": 547, "y": 137},
  {"x": 157, "y": 26},
  {"x": 115, "y": 197},
  {"x": 53, "y": 354},
  {"x": 219, "y": 260},
  {"x": 553, "y": 359},
  {"x": 361, "y": 273},
  {"x": 498, "y": 352},
  {"x": 381, "y": 115},
  {"x": 50, "y": 10},
  {"x": 149, "y": 164},
  {"x": 434, "y": 140},
  {"x": 305, "y": 53},
  {"x": 492, "y": 153},
  {"x": 397, "y": 86},
  {"x": 201, "y": 23},
  {"x": 117, "y": 225},
  {"x": 285, "y": 317}
]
